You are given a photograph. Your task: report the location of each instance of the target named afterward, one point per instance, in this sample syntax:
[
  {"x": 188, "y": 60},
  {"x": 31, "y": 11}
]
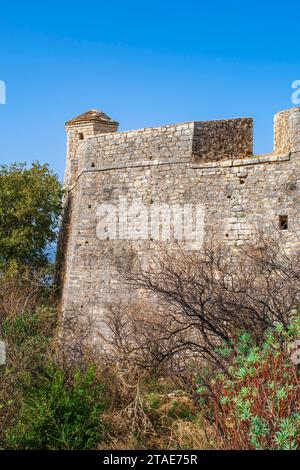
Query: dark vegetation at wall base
[
  {"x": 223, "y": 331},
  {"x": 211, "y": 369},
  {"x": 200, "y": 300},
  {"x": 43, "y": 405},
  {"x": 47, "y": 404}
]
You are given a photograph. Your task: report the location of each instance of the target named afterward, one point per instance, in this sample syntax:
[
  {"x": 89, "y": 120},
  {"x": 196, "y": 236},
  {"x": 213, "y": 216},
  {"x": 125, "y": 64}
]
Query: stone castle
[{"x": 182, "y": 165}]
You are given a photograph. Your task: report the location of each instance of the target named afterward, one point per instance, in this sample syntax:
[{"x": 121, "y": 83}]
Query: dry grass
[{"x": 147, "y": 413}]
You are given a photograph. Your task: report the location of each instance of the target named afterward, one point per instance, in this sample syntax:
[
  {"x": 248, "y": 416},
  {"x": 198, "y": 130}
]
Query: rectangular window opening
[{"x": 283, "y": 222}]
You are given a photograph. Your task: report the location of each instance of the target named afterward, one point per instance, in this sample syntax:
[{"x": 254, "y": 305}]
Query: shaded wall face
[
  {"x": 223, "y": 140},
  {"x": 76, "y": 135},
  {"x": 236, "y": 200}
]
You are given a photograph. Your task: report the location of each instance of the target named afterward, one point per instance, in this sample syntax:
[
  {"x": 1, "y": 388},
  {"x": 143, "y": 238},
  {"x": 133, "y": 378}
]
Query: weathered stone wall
[
  {"x": 287, "y": 131},
  {"x": 138, "y": 147},
  {"x": 197, "y": 141},
  {"x": 221, "y": 140},
  {"x": 239, "y": 193}
]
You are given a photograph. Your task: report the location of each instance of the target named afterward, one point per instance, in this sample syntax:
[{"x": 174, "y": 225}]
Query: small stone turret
[{"x": 80, "y": 128}]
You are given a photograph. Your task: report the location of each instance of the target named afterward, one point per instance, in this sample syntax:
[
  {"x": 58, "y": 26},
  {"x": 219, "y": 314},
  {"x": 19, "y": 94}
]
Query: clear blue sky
[{"x": 143, "y": 63}]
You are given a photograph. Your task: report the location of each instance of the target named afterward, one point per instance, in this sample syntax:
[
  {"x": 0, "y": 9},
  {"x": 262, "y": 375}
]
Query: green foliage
[
  {"x": 29, "y": 337},
  {"x": 30, "y": 204},
  {"x": 32, "y": 327},
  {"x": 42, "y": 404},
  {"x": 154, "y": 400},
  {"x": 60, "y": 412},
  {"x": 182, "y": 409},
  {"x": 258, "y": 405}
]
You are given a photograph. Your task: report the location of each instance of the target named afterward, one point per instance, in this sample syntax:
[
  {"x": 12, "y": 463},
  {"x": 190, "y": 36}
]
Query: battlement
[
  {"x": 187, "y": 142},
  {"x": 198, "y": 141},
  {"x": 101, "y": 147},
  {"x": 154, "y": 145}
]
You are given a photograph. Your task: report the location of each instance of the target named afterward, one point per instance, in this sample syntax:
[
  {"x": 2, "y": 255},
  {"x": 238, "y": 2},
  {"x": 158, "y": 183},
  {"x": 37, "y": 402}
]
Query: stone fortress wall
[{"x": 208, "y": 163}]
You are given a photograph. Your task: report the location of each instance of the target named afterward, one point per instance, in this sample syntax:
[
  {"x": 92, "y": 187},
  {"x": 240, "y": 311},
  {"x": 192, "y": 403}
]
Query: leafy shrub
[
  {"x": 59, "y": 412},
  {"x": 28, "y": 336},
  {"x": 30, "y": 205},
  {"x": 42, "y": 405},
  {"x": 257, "y": 406}
]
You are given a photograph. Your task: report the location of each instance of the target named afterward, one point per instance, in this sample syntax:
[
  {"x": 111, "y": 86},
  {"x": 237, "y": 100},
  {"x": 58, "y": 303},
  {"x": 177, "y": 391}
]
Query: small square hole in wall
[
  {"x": 80, "y": 136},
  {"x": 283, "y": 222},
  {"x": 93, "y": 165},
  {"x": 242, "y": 180}
]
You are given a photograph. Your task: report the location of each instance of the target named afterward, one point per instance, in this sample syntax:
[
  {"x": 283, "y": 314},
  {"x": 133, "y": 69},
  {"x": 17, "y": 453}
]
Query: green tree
[{"x": 30, "y": 204}]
